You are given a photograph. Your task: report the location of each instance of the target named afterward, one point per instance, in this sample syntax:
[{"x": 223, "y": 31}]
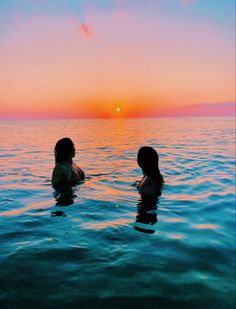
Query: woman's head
[
  {"x": 64, "y": 150},
  {"x": 148, "y": 161}
]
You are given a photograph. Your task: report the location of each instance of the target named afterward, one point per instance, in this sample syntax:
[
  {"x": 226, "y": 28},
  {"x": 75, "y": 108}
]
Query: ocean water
[{"x": 99, "y": 244}]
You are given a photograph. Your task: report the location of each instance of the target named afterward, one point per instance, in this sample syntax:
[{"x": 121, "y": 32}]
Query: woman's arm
[
  {"x": 81, "y": 173},
  {"x": 78, "y": 171}
]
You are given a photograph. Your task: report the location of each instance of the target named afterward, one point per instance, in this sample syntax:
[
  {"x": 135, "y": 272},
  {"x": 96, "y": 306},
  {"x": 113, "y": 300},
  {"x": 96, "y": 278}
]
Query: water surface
[{"x": 105, "y": 246}]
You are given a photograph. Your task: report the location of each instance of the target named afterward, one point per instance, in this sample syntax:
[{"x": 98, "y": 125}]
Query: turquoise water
[{"x": 100, "y": 244}]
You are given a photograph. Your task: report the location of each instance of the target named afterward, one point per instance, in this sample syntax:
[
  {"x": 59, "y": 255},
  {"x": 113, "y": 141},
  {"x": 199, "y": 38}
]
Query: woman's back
[
  {"x": 65, "y": 170},
  {"x": 152, "y": 180}
]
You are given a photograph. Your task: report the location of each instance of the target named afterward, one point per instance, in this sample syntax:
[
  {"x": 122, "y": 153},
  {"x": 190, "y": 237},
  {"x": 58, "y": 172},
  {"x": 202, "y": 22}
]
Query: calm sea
[{"x": 99, "y": 245}]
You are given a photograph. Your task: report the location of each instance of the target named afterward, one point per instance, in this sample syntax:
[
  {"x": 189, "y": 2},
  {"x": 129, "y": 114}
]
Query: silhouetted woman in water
[
  {"x": 152, "y": 179},
  {"x": 65, "y": 170}
]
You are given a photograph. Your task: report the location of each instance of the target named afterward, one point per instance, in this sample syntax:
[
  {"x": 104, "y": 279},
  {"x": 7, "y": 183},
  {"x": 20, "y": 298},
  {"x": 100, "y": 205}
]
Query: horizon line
[{"x": 112, "y": 118}]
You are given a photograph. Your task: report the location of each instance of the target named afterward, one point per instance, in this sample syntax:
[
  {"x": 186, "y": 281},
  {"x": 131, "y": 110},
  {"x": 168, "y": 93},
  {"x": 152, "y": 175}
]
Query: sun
[{"x": 118, "y": 109}]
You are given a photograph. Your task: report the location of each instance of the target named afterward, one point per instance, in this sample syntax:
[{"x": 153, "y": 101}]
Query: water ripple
[{"x": 106, "y": 241}]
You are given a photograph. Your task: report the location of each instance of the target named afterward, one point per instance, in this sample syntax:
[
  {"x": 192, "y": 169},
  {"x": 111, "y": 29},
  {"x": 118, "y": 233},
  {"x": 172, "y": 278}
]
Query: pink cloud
[
  {"x": 210, "y": 109},
  {"x": 85, "y": 31},
  {"x": 121, "y": 13},
  {"x": 186, "y": 2}
]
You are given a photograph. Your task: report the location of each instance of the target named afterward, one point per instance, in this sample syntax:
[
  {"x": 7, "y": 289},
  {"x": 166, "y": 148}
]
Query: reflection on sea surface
[
  {"x": 146, "y": 213},
  {"x": 64, "y": 194},
  {"x": 58, "y": 213}
]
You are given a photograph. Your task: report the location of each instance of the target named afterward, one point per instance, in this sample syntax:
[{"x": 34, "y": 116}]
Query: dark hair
[
  {"x": 63, "y": 149},
  {"x": 148, "y": 161}
]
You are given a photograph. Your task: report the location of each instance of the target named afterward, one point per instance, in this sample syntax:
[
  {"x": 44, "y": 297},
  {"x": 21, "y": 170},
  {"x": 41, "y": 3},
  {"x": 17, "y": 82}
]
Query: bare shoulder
[
  {"x": 148, "y": 186},
  {"x": 61, "y": 173}
]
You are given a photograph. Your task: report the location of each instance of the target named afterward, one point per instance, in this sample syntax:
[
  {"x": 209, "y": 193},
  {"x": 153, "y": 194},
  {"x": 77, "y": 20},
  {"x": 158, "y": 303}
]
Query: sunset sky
[{"x": 102, "y": 58}]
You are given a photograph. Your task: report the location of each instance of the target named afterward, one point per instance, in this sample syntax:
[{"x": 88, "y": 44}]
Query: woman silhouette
[
  {"x": 65, "y": 170},
  {"x": 152, "y": 179}
]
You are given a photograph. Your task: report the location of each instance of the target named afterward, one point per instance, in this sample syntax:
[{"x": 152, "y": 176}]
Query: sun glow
[{"x": 118, "y": 109}]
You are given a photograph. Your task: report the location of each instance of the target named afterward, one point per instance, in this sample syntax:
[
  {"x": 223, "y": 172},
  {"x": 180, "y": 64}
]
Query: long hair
[
  {"x": 148, "y": 161},
  {"x": 63, "y": 150}
]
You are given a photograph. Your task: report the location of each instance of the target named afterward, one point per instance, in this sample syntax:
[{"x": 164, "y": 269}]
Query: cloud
[
  {"x": 208, "y": 109},
  {"x": 85, "y": 31},
  {"x": 186, "y": 2}
]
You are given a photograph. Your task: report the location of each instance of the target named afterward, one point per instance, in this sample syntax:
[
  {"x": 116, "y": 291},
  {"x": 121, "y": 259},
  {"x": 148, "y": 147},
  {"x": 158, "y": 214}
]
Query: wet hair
[
  {"x": 63, "y": 150},
  {"x": 148, "y": 161}
]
